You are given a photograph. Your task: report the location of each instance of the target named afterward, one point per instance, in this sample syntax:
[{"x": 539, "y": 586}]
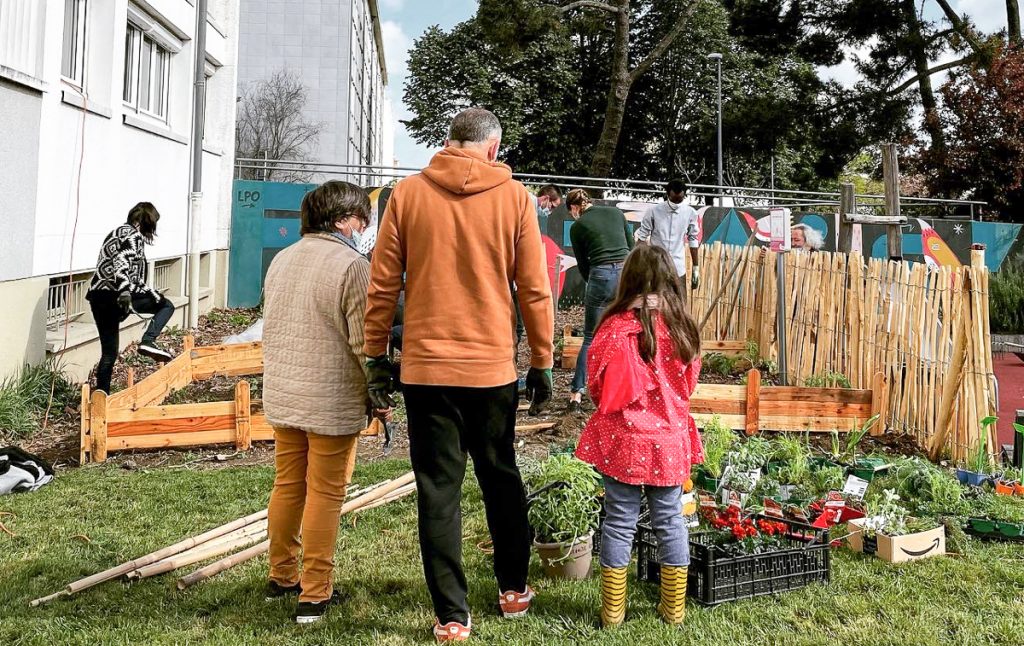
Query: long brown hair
[{"x": 649, "y": 271}]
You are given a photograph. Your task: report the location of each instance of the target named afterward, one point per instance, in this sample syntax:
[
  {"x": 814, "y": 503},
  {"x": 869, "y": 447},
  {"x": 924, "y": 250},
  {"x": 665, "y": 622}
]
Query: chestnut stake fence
[{"x": 925, "y": 329}]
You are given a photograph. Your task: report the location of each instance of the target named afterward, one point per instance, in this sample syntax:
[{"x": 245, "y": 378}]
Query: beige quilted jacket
[{"x": 314, "y": 300}]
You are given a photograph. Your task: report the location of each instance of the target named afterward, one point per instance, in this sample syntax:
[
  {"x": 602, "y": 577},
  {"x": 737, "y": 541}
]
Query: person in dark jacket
[
  {"x": 119, "y": 287},
  {"x": 601, "y": 240}
]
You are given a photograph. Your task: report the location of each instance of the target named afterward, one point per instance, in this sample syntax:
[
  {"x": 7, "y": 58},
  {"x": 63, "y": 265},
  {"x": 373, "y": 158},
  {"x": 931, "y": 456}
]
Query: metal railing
[
  {"x": 65, "y": 299},
  {"x": 758, "y": 197},
  {"x": 163, "y": 275}
]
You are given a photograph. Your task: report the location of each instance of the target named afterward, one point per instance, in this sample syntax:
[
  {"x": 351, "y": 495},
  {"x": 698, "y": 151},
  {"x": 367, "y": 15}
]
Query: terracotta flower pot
[
  {"x": 567, "y": 560},
  {"x": 1004, "y": 488}
]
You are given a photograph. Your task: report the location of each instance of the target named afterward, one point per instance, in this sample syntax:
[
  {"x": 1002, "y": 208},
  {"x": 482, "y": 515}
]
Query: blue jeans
[
  {"x": 601, "y": 287},
  {"x": 622, "y": 509}
]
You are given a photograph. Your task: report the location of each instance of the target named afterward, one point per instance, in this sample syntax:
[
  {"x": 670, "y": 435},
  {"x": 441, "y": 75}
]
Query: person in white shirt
[{"x": 673, "y": 226}]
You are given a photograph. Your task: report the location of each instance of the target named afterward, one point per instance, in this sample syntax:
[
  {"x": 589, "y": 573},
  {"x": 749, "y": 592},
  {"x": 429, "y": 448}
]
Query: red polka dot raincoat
[{"x": 642, "y": 432}]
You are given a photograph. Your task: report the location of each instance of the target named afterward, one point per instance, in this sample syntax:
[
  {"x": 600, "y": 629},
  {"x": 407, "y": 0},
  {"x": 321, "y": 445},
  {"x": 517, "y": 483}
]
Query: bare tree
[{"x": 270, "y": 125}]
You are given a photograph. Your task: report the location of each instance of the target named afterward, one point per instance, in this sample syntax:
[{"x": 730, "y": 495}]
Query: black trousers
[
  {"x": 445, "y": 424},
  {"x": 108, "y": 317}
]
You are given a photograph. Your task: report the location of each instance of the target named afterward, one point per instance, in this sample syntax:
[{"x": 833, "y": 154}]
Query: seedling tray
[{"x": 715, "y": 577}]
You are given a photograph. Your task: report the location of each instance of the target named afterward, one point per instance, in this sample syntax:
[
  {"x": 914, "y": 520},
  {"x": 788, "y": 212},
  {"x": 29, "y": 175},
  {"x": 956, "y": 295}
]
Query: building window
[
  {"x": 147, "y": 67},
  {"x": 72, "y": 64}
]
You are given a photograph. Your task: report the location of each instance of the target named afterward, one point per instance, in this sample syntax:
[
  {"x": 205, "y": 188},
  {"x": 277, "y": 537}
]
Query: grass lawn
[{"x": 94, "y": 518}]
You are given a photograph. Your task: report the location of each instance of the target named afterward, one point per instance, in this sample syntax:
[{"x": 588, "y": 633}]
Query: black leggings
[{"x": 108, "y": 317}]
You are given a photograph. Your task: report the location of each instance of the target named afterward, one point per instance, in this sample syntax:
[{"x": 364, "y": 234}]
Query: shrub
[
  {"x": 827, "y": 380},
  {"x": 718, "y": 440},
  {"x": 719, "y": 364},
  {"x": 1006, "y": 297}
]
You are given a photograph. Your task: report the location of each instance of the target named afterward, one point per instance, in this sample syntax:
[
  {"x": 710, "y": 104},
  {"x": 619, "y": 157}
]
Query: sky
[{"x": 402, "y": 21}]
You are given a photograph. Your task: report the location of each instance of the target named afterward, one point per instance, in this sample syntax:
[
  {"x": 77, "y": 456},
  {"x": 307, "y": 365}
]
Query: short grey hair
[
  {"x": 815, "y": 241},
  {"x": 474, "y": 126}
]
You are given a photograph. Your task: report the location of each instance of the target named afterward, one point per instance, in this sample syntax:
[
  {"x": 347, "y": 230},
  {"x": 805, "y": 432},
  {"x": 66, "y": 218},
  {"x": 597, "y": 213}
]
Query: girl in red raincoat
[{"x": 644, "y": 361}]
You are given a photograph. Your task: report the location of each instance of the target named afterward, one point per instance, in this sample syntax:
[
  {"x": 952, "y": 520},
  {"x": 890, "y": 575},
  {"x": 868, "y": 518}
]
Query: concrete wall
[
  {"x": 20, "y": 108},
  {"x": 23, "y": 323}
]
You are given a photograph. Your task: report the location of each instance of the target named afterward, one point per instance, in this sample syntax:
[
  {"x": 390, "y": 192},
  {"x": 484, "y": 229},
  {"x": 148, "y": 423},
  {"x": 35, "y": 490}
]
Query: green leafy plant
[
  {"x": 718, "y": 440},
  {"x": 848, "y": 454},
  {"x": 566, "y": 505},
  {"x": 826, "y": 479},
  {"x": 827, "y": 380},
  {"x": 980, "y": 460},
  {"x": 1006, "y": 297},
  {"x": 24, "y": 398},
  {"x": 751, "y": 455},
  {"x": 719, "y": 364},
  {"x": 889, "y": 517}
]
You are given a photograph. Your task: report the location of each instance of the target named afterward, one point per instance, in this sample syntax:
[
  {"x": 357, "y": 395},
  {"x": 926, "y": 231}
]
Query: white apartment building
[
  {"x": 335, "y": 47},
  {"x": 96, "y": 115}
]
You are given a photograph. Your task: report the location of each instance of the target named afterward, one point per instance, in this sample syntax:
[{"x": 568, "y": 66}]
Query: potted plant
[
  {"x": 718, "y": 440},
  {"x": 865, "y": 468},
  {"x": 563, "y": 511},
  {"x": 892, "y": 534},
  {"x": 979, "y": 465}
]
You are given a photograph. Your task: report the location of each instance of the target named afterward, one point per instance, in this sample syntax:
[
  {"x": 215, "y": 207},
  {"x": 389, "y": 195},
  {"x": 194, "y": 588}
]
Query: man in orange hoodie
[{"x": 463, "y": 232}]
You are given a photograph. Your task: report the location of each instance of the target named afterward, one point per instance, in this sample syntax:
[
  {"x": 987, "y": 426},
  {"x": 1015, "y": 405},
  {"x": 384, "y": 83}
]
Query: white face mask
[{"x": 357, "y": 238}]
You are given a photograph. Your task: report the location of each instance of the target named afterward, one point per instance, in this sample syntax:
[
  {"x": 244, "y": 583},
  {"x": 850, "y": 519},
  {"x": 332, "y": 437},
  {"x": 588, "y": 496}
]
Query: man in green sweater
[{"x": 601, "y": 240}]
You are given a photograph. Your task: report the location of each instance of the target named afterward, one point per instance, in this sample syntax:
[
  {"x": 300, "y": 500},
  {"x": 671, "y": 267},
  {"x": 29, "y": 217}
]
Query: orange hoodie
[{"x": 462, "y": 231}]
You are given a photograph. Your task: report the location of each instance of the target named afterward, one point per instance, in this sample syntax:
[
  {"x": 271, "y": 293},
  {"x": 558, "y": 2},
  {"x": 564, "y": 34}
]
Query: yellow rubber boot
[
  {"x": 613, "y": 596},
  {"x": 672, "y": 607}
]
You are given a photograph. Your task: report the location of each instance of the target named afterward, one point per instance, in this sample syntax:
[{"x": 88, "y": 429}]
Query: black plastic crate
[{"x": 715, "y": 578}]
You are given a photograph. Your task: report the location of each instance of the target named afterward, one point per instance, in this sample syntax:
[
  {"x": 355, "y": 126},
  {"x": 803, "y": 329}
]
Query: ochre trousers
[{"x": 309, "y": 490}]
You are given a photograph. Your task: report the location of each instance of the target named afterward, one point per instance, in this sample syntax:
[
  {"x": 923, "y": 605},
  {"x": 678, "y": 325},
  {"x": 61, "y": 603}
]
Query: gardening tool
[{"x": 548, "y": 487}]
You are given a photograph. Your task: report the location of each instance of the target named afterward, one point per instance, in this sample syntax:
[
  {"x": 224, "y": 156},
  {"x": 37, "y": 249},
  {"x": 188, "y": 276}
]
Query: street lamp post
[{"x": 718, "y": 60}]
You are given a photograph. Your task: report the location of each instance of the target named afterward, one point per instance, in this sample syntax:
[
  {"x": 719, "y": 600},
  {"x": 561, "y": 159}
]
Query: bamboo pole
[
  {"x": 713, "y": 305},
  {"x": 153, "y": 557},
  {"x": 256, "y": 550},
  {"x": 201, "y": 553},
  {"x": 954, "y": 375}
]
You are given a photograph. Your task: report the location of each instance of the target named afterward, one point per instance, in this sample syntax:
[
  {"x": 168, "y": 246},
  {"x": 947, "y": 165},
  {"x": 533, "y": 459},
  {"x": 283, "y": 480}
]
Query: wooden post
[
  {"x": 243, "y": 437},
  {"x": 85, "y": 445},
  {"x": 879, "y": 403},
  {"x": 891, "y": 177},
  {"x": 131, "y": 377},
  {"x": 753, "y": 417},
  {"x": 187, "y": 345},
  {"x": 98, "y": 425},
  {"x": 756, "y": 333},
  {"x": 847, "y": 206},
  {"x": 954, "y": 376}
]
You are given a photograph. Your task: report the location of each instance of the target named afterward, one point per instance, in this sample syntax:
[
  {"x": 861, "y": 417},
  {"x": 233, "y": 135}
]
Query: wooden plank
[
  {"x": 724, "y": 347},
  {"x": 243, "y": 439},
  {"x": 260, "y": 429},
  {"x": 98, "y": 425},
  {"x": 753, "y": 414},
  {"x": 720, "y": 391},
  {"x": 815, "y": 409},
  {"x": 246, "y": 367},
  {"x": 226, "y": 351},
  {"x": 171, "y": 412},
  {"x": 172, "y": 440},
  {"x": 720, "y": 406},
  {"x": 811, "y": 424},
  {"x": 822, "y": 395},
  {"x": 131, "y": 376},
  {"x": 85, "y": 438},
  {"x": 179, "y": 426}
]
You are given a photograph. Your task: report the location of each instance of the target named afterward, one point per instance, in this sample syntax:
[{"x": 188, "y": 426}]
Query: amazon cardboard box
[{"x": 898, "y": 549}]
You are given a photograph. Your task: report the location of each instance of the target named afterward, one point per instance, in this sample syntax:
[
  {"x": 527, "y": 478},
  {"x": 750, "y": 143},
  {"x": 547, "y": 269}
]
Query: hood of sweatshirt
[{"x": 466, "y": 172}]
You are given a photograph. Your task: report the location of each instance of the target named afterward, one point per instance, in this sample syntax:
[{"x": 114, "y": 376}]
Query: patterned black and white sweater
[{"x": 122, "y": 263}]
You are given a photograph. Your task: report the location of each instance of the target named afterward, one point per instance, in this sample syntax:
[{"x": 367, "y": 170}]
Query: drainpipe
[{"x": 196, "y": 194}]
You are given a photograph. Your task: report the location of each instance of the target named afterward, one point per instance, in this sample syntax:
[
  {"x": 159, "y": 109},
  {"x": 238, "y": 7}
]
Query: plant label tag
[
  {"x": 855, "y": 487},
  {"x": 773, "y": 508},
  {"x": 797, "y": 514},
  {"x": 706, "y": 501}
]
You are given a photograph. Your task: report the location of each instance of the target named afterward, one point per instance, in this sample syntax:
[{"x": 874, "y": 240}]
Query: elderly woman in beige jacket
[{"x": 314, "y": 389}]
